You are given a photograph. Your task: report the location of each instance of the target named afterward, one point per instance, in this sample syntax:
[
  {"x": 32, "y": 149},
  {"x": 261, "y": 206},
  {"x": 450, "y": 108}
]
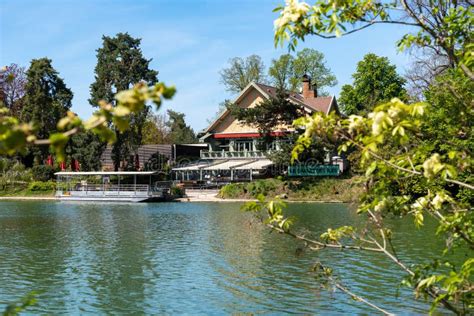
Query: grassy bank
[
  {"x": 314, "y": 189},
  {"x": 31, "y": 189}
]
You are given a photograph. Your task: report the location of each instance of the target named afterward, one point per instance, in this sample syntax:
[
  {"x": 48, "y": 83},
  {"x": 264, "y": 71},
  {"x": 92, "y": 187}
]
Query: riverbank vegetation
[
  {"x": 346, "y": 189},
  {"x": 28, "y": 189}
]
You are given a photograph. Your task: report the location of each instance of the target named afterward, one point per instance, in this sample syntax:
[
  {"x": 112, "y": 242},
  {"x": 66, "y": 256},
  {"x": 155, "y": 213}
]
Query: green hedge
[
  {"x": 232, "y": 191},
  {"x": 39, "y": 186},
  {"x": 315, "y": 189},
  {"x": 42, "y": 172}
]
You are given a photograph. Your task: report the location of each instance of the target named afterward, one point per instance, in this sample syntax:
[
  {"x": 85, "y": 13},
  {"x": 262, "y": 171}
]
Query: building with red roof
[{"x": 229, "y": 138}]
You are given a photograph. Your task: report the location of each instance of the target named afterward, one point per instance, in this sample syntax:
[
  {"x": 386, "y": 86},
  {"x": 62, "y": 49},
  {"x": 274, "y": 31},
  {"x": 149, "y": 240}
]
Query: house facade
[
  {"x": 229, "y": 138},
  {"x": 233, "y": 151}
]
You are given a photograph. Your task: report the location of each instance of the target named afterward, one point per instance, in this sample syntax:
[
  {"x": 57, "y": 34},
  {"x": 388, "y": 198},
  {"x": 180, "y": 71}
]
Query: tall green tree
[
  {"x": 375, "y": 81},
  {"x": 180, "y": 132},
  {"x": 286, "y": 71},
  {"x": 47, "y": 99},
  {"x": 241, "y": 72},
  {"x": 86, "y": 148},
  {"x": 281, "y": 71},
  {"x": 120, "y": 65}
]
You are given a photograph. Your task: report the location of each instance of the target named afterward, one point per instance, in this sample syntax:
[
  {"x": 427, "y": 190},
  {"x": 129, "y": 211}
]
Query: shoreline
[
  {"x": 28, "y": 198},
  {"x": 180, "y": 200}
]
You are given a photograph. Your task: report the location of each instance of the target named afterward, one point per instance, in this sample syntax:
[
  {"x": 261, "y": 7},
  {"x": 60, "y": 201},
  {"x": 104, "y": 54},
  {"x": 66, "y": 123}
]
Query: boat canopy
[{"x": 105, "y": 173}]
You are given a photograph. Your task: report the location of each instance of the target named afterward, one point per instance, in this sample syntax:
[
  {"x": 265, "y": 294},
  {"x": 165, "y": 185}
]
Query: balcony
[{"x": 205, "y": 154}]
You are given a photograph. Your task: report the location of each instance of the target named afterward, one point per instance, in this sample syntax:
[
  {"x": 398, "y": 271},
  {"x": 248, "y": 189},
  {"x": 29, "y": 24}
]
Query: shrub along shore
[
  {"x": 345, "y": 190},
  {"x": 28, "y": 189}
]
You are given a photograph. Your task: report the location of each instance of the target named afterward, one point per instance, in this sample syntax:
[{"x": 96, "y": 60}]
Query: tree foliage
[
  {"x": 241, "y": 72},
  {"x": 269, "y": 114},
  {"x": 286, "y": 71},
  {"x": 375, "y": 81},
  {"x": 86, "y": 148},
  {"x": 444, "y": 27},
  {"x": 155, "y": 130},
  {"x": 15, "y": 136},
  {"x": 311, "y": 62},
  {"x": 47, "y": 100},
  {"x": 120, "y": 65},
  {"x": 13, "y": 87}
]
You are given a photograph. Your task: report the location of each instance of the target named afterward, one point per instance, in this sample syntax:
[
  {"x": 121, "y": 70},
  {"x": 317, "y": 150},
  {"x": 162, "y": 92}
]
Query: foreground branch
[
  {"x": 354, "y": 296},
  {"x": 391, "y": 164},
  {"x": 433, "y": 291}
]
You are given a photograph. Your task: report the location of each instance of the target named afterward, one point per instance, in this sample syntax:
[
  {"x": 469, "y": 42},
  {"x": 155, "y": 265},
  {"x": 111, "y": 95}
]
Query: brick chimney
[{"x": 309, "y": 92}]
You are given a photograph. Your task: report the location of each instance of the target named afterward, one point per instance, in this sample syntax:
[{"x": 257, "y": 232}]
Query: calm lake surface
[{"x": 189, "y": 258}]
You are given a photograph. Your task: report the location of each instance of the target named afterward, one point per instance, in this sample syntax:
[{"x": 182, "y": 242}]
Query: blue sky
[{"x": 189, "y": 42}]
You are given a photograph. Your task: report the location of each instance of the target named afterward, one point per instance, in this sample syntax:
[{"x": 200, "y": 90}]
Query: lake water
[{"x": 189, "y": 258}]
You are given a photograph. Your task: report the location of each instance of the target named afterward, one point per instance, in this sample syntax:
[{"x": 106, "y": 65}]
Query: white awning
[
  {"x": 256, "y": 165},
  {"x": 193, "y": 167},
  {"x": 237, "y": 164},
  {"x": 229, "y": 164}
]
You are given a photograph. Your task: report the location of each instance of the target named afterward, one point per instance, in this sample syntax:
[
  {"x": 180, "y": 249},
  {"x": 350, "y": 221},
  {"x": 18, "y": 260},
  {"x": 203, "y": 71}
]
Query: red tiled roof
[{"x": 321, "y": 104}]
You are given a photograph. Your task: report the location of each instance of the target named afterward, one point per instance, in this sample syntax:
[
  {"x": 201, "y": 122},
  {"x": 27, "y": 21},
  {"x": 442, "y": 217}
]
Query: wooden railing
[{"x": 94, "y": 189}]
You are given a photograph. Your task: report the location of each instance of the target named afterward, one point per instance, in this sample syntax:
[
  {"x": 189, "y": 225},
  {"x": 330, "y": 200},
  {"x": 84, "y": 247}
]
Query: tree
[
  {"x": 120, "y": 64},
  {"x": 445, "y": 27},
  {"x": 16, "y": 136},
  {"x": 375, "y": 81},
  {"x": 282, "y": 71},
  {"x": 155, "y": 130},
  {"x": 286, "y": 72},
  {"x": 86, "y": 148},
  {"x": 47, "y": 100},
  {"x": 410, "y": 168},
  {"x": 311, "y": 62},
  {"x": 14, "y": 87},
  {"x": 180, "y": 133},
  {"x": 241, "y": 72},
  {"x": 423, "y": 70},
  {"x": 270, "y": 113}
]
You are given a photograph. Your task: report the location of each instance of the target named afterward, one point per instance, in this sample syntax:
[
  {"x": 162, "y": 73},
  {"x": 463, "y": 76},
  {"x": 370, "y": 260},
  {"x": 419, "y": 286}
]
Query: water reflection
[{"x": 185, "y": 258}]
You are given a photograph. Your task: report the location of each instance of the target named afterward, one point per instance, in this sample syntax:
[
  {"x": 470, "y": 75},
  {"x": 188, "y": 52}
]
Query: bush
[
  {"x": 308, "y": 189},
  {"x": 232, "y": 191},
  {"x": 42, "y": 172},
  {"x": 39, "y": 186},
  {"x": 264, "y": 187},
  {"x": 177, "y": 192}
]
